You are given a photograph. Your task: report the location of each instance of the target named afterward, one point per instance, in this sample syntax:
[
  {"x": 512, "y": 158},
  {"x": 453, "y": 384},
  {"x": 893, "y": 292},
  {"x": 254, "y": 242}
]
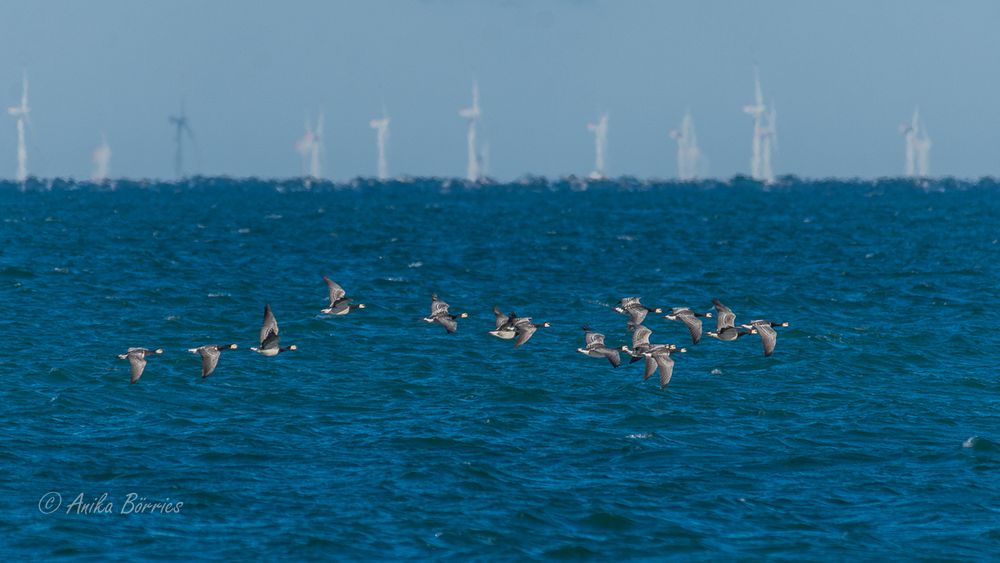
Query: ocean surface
[{"x": 873, "y": 432}]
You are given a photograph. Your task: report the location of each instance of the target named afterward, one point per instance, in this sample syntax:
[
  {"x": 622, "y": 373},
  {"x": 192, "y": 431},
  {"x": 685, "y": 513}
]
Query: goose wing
[
  {"x": 268, "y": 330},
  {"x": 635, "y": 316},
  {"x": 725, "y": 317},
  {"x": 438, "y": 307},
  {"x": 641, "y": 337},
  {"x": 666, "y": 365},
  {"x": 594, "y": 338},
  {"x": 525, "y": 329},
  {"x": 336, "y": 292},
  {"x": 209, "y": 359},
  {"x": 500, "y": 317},
  {"x": 768, "y": 336},
  {"x": 611, "y": 354},
  {"x": 447, "y": 322},
  {"x": 649, "y": 369},
  {"x": 137, "y": 361},
  {"x": 628, "y": 302},
  {"x": 693, "y": 323}
]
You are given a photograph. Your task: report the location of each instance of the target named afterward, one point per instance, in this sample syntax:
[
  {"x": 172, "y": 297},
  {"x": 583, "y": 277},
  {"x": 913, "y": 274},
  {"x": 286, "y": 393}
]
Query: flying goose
[
  {"x": 269, "y": 340},
  {"x": 689, "y": 318},
  {"x": 636, "y": 311},
  {"x": 525, "y": 328},
  {"x": 768, "y": 336},
  {"x": 725, "y": 328},
  {"x": 439, "y": 314},
  {"x": 658, "y": 356},
  {"x": 595, "y": 347},
  {"x": 137, "y": 360},
  {"x": 340, "y": 303},
  {"x": 210, "y": 356}
]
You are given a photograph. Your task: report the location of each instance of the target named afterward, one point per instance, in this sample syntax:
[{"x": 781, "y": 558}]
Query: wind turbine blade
[
  {"x": 773, "y": 127},
  {"x": 24, "y": 92},
  {"x": 758, "y": 95}
]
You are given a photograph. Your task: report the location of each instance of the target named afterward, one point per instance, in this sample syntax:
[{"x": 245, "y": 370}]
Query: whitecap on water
[
  {"x": 970, "y": 442},
  {"x": 415, "y": 264},
  {"x": 716, "y": 371},
  {"x": 272, "y": 216},
  {"x": 243, "y": 231},
  {"x": 221, "y": 294},
  {"x": 640, "y": 436},
  {"x": 625, "y": 237}
]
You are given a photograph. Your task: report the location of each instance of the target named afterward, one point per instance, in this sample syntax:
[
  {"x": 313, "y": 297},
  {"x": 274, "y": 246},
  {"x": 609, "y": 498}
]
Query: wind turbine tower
[
  {"x": 381, "y": 127},
  {"x": 472, "y": 115},
  {"x": 20, "y": 113},
  {"x": 600, "y": 130},
  {"x": 688, "y": 153},
  {"x": 769, "y": 142},
  {"x": 182, "y": 128},
  {"x": 102, "y": 161},
  {"x": 923, "y": 152}
]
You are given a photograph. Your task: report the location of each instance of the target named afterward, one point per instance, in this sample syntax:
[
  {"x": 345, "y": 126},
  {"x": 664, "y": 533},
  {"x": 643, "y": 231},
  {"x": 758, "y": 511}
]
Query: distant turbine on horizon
[
  {"x": 688, "y": 154},
  {"x": 918, "y": 147},
  {"x": 310, "y": 146},
  {"x": 20, "y": 113},
  {"x": 180, "y": 122},
  {"x": 760, "y": 159},
  {"x": 472, "y": 114},
  {"x": 600, "y": 130},
  {"x": 102, "y": 161},
  {"x": 381, "y": 127}
]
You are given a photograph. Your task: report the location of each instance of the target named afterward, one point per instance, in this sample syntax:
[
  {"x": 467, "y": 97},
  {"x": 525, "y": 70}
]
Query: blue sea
[{"x": 873, "y": 432}]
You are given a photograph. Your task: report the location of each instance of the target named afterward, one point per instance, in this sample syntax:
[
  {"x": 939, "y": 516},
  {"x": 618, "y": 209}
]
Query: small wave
[
  {"x": 414, "y": 264},
  {"x": 273, "y": 216},
  {"x": 625, "y": 237},
  {"x": 716, "y": 371},
  {"x": 220, "y": 294},
  {"x": 243, "y": 231},
  {"x": 640, "y": 436},
  {"x": 978, "y": 443}
]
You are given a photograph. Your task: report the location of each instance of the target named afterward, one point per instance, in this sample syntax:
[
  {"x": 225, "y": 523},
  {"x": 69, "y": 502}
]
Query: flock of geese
[{"x": 511, "y": 326}]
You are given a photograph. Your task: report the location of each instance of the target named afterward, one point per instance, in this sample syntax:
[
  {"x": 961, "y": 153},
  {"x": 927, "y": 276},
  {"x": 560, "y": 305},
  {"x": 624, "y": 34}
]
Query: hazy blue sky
[{"x": 843, "y": 76}]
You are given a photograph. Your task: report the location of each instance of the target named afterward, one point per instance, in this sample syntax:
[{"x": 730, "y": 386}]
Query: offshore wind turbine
[
  {"x": 20, "y": 113},
  {"x": 761, "y": 132},
  {"x": 381, "y": 127},
  {"x": 472, "y": 115},
  {"x": 310, "y": 146},
  {"x": 600, "y": 131},
  {"x": 688, "y": 153},
  {"x": 182, "y": 128},
  {"x": 102, "y": 161},
  {"x": 918, "y": 146}
]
